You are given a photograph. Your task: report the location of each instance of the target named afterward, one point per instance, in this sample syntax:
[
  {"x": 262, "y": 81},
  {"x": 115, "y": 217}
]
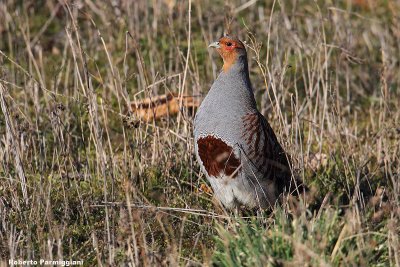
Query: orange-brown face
[{"x": 229, "y": 48}]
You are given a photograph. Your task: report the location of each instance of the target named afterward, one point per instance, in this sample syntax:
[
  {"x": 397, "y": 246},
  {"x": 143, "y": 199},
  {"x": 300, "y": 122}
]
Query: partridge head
[{"x": 230, "y": 49}]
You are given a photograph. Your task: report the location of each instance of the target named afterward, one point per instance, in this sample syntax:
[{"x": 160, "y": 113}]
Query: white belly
[{"x": 241, "y": 191}]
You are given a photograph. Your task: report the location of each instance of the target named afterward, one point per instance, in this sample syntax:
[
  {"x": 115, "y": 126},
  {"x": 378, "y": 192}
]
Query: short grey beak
[{"x": 215, "y": 45}]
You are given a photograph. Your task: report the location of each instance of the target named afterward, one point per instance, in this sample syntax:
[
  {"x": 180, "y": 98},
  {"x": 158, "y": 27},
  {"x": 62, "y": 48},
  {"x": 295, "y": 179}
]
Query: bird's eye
[{"x": 229, "y": 44}]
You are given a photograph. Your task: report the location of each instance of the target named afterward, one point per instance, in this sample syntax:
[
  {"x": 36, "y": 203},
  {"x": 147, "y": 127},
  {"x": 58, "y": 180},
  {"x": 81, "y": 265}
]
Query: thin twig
[{"x": 198, "y": 212}]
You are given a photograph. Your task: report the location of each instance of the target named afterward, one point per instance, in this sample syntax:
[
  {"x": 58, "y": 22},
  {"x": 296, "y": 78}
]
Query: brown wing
[{"x": 264, "y": 151}]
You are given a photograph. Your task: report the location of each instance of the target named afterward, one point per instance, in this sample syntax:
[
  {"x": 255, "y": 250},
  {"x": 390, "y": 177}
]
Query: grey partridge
[{"x": 234, "y": 144}]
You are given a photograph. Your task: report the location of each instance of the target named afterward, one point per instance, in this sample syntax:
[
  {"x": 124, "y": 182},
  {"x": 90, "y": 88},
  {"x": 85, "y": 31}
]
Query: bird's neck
[
  {"x": 235, "y": 83},
  {"x": 238, "y": 68},
  {"x": 236, "y": 61}
]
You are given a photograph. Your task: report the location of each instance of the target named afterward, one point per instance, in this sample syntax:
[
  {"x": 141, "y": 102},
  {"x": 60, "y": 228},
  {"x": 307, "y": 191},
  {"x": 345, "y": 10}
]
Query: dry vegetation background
[{"x": 82, "y": 177}]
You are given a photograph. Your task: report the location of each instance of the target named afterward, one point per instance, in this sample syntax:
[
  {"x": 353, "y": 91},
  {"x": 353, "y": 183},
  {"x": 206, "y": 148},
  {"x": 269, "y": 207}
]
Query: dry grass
[{"x": 79, "y": 180}]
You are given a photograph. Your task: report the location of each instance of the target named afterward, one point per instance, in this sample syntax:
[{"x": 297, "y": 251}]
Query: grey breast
[{"x": 229, "y": 99}]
